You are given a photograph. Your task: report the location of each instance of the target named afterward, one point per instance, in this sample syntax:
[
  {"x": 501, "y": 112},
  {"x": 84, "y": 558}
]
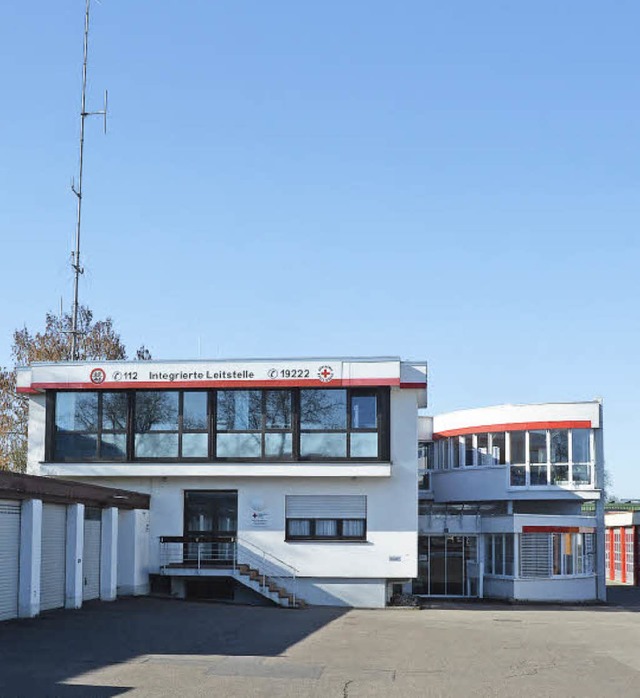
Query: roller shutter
[
  {"x": 9, "y": 558},
  {"x": 535, "y": 555},
  {"x": 91, "y": 554},
  {"x": 340, "y": 506},
  {"x": 53, "y": 568}
]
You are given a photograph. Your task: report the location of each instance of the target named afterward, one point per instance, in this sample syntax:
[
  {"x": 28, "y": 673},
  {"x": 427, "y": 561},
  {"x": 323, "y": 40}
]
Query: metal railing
[
  {"x": 198, "y": 551},
  {"x": 270, "y": 567},
  {"x": 207, "y": 551}
]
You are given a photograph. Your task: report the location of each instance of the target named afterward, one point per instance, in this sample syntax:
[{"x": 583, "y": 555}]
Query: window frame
[
  {"x": 52, "y": 429},
  {"x": 382, "y": 429},
  {"x": 315, "y": 538}
]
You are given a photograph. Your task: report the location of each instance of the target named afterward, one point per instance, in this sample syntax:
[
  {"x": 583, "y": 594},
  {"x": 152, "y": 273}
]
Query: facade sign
[
  {"x": 262, "y": 373},
  {"x": 258, "y": 514}
]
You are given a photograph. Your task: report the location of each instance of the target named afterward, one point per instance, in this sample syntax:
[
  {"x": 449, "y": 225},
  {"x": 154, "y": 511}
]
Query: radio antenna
[{"x": 75, "y": 255}]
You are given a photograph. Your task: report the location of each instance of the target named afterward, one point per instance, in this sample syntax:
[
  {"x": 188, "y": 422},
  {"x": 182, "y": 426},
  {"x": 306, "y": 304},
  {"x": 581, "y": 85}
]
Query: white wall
[
  {"x": 391, "y": 547},
  {"x": 567, "y": 589},
  {"x": 37, "y": 432},
  {"x": 361, "y": 593},
  {"x": 513, "y": 414},
  {"x": 133, "y": 552}
]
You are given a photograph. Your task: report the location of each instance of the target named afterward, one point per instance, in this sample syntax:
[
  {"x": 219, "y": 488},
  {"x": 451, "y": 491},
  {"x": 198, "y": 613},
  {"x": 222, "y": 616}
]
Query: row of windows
[
  {"x": 541, "y": 554},
  {"x": 498, "y": 554},
  {"x": 557, "y": 554},
  {"x": 326, "y": 529},
  {"x": 536, "y": 457},
  {"x": 219, "y": 425}
]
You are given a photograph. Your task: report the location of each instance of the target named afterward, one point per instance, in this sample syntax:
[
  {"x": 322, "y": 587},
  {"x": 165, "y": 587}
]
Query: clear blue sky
[{"x": 456, "y": 182}]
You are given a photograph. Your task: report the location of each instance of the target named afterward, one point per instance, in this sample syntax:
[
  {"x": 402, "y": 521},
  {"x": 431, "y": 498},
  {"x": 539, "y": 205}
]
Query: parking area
[{"x": 155, "y": 647}]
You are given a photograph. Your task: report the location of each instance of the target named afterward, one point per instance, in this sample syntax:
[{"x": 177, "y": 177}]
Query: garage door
[
  {"x": 91, "y": 554},
  {"x": 52, "y": 570},
  {"x": 9, "y": 558}
]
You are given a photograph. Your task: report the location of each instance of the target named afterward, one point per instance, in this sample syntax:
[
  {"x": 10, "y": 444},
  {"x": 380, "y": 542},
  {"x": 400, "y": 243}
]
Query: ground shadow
[{"x": 37, "y": 655}]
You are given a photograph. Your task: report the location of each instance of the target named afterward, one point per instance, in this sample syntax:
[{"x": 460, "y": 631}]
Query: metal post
[{"x": 75, "y": 255}]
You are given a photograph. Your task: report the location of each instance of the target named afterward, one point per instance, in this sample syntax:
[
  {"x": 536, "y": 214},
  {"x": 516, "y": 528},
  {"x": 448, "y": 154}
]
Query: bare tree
[{"x": 98, "y": 340}]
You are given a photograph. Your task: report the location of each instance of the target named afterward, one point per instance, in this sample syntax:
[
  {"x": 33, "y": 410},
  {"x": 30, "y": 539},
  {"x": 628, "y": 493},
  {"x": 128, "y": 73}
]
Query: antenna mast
[{"x": 75, "y": 255}]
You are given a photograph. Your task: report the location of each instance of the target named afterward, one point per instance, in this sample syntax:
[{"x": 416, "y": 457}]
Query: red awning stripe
[
  {"x": 558, "y": 529},
  {"x": 515, "y": 426}
]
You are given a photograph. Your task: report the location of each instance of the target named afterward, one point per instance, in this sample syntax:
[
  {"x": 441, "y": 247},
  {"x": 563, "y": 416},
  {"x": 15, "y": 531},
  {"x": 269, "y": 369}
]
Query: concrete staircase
[{"x": 268, "y": 587}]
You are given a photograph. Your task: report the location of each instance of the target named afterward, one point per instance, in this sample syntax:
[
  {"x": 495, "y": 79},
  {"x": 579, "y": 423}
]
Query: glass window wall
[{"x": 269, "y": 424}]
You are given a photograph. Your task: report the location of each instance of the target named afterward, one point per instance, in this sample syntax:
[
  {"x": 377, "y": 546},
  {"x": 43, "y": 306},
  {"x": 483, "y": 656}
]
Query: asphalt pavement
[{"x": 147, "y": 647}]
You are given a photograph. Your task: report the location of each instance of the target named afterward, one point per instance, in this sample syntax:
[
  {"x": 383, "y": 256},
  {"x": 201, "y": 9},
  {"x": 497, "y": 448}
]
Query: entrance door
[
  {"x": 211, "y": 514},
  {"x": 442, "y": 566}
]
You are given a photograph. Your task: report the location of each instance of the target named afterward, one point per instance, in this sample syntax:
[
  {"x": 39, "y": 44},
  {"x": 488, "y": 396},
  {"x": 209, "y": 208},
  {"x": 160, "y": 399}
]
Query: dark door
[
  {"x": 455, "y": 586},
  {"x": 214, "y": 515}
]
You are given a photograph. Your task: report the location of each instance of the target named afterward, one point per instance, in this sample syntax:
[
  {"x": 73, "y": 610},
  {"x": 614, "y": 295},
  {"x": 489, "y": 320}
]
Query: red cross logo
[{"x": 325, "y": 373}]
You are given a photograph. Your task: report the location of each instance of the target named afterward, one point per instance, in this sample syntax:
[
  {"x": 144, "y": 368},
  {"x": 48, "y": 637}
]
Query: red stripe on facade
[
  {"x": 515, "y": 426},
  {"x": 414, "y": 386},
  {"x": 623, "y": 555},
  {"x": 558, "y": 529},
  {"x": 27, "y": 390},
  {"x": 164, "y": 385}
]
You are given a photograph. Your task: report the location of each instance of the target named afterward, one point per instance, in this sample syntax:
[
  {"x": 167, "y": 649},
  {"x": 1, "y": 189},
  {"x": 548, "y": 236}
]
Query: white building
[
  {"x": 297, "y": 478},
  {"x": 299, "y": 471},
  {"x": 501, "y": 494}
]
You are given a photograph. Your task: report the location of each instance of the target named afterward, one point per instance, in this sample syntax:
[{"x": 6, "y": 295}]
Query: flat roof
[{"x": 49, "y": 489}]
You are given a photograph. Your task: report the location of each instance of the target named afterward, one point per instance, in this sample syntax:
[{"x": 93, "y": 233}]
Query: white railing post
[{"x": 199, "y": 553}]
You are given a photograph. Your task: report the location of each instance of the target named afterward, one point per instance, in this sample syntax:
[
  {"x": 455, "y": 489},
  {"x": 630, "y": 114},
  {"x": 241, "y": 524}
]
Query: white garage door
[
  {"x": 52, "y": 570},
  {"x": 91, "y": 554},
  {"x": 9, "y": 558}
]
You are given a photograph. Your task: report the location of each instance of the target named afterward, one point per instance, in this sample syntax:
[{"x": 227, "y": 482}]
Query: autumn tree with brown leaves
[{"x": 97, "y": 340}]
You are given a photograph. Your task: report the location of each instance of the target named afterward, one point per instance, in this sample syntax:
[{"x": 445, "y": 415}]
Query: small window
[
  {"x": 326, "y": 517},
  {"x": 469, "y": 451},
  {"x": 581, "y": 445},
  {"x": 517, "y": 442},
  {"x": 483, "y": 449},
  {"x": 498, "y": 450}
]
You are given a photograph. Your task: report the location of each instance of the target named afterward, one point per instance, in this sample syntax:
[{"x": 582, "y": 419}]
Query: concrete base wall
[
  {"x": 567, "y": 590},
  {"x": 358, "y": 593}
]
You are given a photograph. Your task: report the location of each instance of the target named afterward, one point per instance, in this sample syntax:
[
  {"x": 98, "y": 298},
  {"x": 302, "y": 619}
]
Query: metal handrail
[
  {"x": 270, "y": 569},
  {"x": 244, "y": 541},
  {"x": 198, "y": 550}
]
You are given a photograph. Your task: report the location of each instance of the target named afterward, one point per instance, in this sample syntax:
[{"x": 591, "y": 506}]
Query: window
[
  {"x": 455, "y": 451},
  {"x": 469, "y": 451},
  {"x": 339, "y": 424},
  {"x": 308, "y": 424},
  {"x": 254, "y": 424},
  {"x": 498, "y": 448},
  {"x": 554, "y": 457},
  {"x": 171, "y": 424},
  {"x": 483, "y": 449},
  {"x": 326, "y": 517},
  {"x": 498, "y": 554},
  {"x": 518, "y": 470},
  {"x": 581, "y": 456},
  {"x": 558, "y": 554},
  {"x": 559, "y": 456},
  {"x": 90, "y": 426},
  {"x": 425, "y": 465},
  {"x": 538, "y": 457}
]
